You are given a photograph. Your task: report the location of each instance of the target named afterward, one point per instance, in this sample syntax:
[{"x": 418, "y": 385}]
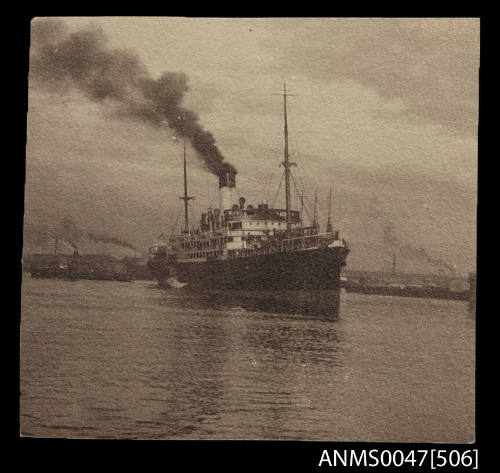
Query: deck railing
[
  {"x": 299, "y": 243},
  {"x": 288, "y": 244}
]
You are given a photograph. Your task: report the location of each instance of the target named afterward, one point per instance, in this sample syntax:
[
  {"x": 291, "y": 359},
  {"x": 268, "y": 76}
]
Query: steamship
[
  {"x": 260, "y": 254},
  {"x": 76, "y": 266}
]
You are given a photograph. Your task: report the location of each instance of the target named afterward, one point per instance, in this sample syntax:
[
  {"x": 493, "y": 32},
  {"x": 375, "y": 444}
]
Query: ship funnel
[
  {"x": 227, "y": 189},
  {"x": 242, "y": 203}
]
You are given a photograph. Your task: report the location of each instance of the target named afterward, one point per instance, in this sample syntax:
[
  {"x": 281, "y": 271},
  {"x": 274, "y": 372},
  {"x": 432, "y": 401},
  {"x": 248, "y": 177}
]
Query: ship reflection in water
[
  {"x": 277, "y": 302},
  {"x": 314, "y": 303},
  {"x": 107, "y": 359}
]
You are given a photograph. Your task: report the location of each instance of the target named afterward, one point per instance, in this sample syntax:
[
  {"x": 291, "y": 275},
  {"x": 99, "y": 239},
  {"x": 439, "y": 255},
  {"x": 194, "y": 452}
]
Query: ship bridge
[
  {"x": 262, "y": 212},
  {"x": 258, "y": 220}
]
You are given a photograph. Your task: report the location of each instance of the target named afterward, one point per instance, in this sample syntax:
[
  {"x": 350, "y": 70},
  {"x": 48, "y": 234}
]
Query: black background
[{"x": 72, "y": 454}]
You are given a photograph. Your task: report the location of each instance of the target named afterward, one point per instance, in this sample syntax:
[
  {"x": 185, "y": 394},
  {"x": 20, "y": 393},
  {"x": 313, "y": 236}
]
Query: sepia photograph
[{"x": 250, "y": 229}]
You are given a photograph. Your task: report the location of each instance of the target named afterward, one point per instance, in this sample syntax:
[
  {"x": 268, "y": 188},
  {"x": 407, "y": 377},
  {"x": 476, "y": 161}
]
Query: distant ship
[
  {"x": 407, "y": 285},
  {"x": 406, "y": 290},
  {"x": 257, "y": 253},
  {"x": 76, "y": 266}
]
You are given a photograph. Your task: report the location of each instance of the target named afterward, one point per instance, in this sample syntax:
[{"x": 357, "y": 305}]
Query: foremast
[
  {"x": 186, "y": 198},
  {"x": 287, "y": 165}
]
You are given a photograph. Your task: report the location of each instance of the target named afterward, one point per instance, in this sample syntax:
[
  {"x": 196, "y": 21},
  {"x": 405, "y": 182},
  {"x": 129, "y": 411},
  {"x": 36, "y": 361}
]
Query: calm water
[{"x": 128, "y": 360}]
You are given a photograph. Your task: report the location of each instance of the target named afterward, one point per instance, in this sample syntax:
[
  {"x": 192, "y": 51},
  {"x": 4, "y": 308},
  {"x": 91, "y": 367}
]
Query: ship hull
[
  {"x": 93, "y": 267},
  {"x": 307, "y": 280}
]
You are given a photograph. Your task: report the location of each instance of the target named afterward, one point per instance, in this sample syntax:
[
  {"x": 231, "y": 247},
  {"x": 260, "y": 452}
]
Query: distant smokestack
[
  {"x": 408, "y": 251},
  {"x": 227, "y": 188},
  {"x": 394, "y": 263},
  {"x": 242, "y": 203}
]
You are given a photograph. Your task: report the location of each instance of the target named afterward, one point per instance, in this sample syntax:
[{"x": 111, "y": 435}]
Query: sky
[{"x": 383, "y": 111}]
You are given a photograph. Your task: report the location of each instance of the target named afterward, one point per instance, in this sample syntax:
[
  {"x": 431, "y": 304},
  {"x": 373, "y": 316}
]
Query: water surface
[{"x": 129, "y": 360}]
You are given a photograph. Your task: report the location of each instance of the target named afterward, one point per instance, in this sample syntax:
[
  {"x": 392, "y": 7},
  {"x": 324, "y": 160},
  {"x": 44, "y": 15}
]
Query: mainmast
[
  {"x": 287, "y": 165},
  {"x": 329, "y": 227},
  {"x": 315, "y": 211},
  {"x": 185, "y": 198}
]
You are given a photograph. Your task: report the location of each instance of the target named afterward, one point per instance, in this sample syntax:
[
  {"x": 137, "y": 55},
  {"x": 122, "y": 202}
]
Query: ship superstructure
[{"x": 245, "y": 247}]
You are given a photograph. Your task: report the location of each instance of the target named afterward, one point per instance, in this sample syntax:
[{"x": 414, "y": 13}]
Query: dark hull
[
  {"x": 304, "y": 281},
  {"x": 424, "y": 292}
]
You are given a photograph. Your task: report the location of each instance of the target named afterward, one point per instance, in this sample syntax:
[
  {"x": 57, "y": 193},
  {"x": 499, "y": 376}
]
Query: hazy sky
[{"x": 385, "y": 111}]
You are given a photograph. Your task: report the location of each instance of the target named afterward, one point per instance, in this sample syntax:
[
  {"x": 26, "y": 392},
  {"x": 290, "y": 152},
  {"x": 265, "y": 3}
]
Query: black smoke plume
[
  {"x": 116, "y": 78},
  {"x": 405, "y": 249},
  {"x": 101, "y": 238},
  {"x": 392, "y": 241},
  {"x": 43, "y": 235}
]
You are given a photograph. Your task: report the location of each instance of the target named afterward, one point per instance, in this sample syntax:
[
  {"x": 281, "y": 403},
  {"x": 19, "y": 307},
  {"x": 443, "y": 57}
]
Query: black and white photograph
[{"x": 250, "y": 229}]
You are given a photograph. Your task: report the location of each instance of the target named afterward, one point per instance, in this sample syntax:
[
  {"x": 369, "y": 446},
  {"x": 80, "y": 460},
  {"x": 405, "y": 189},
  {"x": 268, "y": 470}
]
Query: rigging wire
[
  {"x": 297, "y": 155},
  {"x": 175, "y": 224},
  {"x": 304, "y": 186},
  {"x": 305, "y": 179},
  {"x": 192, "y": 216},
  {"x": 278, "y": 190},
  {"x": 307, "y": 200},
  {"x": 301, "y": 175},
  {"x": 267, "y": 188},
  {"x": 275, "y": 151},
  {"x": 266, "y": 183},
  {"x": 297, "y": 189}
]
